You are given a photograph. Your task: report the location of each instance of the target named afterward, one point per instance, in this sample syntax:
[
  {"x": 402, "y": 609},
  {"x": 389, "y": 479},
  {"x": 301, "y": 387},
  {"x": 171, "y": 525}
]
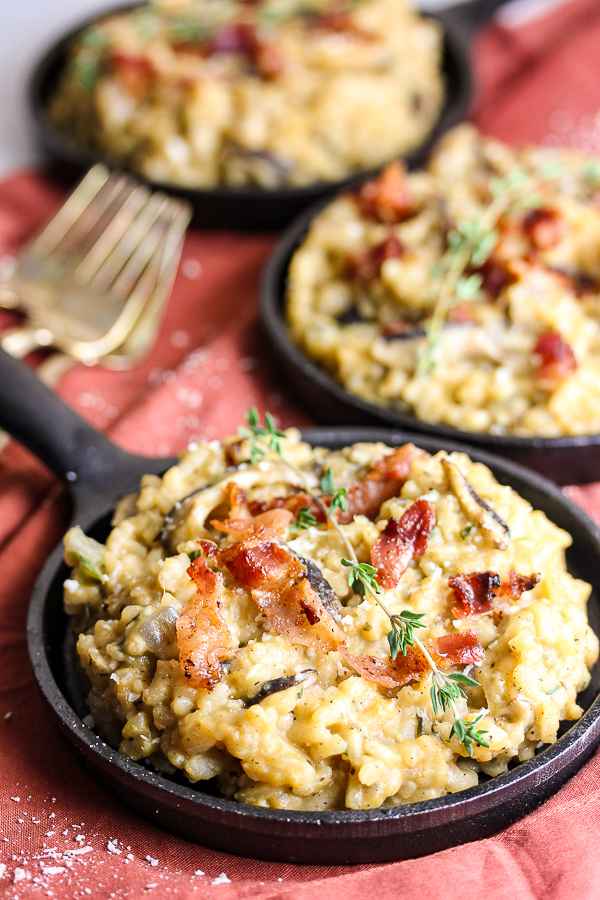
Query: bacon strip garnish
[
  {"x": 544, "y": 227},
  {"x": 386, "y": 198},
  {"x": 401, "y": 541},
  {"x": 461, "y": 648},
  {"x": 261, "y": 564},
  {"x": 397, "y": 463},
  {"x": 382, "y": 483},
  {"x": 483, "y": 592},
  {"x": 340, "y": 22},
  {"x": 242, "y": 37},
  {"x": 557, "y": 360},
  {"x": 282, "y": 591},
  {"x": 510, "y": 591},
  {"x": 495, "y": 277},
  {"x": 293, "y": 502},
  {"x": 269, "y": 524},
  {"x": 298, "y": 612},
  {"x": 133, "y": 72},
  {"x": 361, "y": 267},
  {"x": 202, "y": 633}
]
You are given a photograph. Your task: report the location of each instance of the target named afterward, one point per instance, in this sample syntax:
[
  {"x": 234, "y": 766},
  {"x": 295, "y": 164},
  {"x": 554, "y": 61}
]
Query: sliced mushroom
[
  {"x": 159, "y": 630},
  {"x": 266, "y": 167},
  {"x": 186, "y": 520},
  {"x": 402, "y": 331},
  {"x": 477, "y": 510},
  {"x": 282, "y": 684},
  {"x": 327, "y": 594}
]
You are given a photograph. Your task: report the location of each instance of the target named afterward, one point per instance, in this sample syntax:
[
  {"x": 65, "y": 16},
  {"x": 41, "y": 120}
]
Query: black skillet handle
[
  {"x": 59, "y": 437},
  {"x": 465, "y": 19}
]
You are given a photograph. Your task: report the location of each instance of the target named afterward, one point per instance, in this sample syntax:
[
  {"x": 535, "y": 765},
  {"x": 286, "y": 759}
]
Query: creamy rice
[
  {"x": 271, "y": 93},
  {"x": 326, "y": 737},
  {"x": 519, "y": 353}
]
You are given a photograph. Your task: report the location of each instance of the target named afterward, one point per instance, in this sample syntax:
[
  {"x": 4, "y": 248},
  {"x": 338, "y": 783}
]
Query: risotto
[
  {"x": 203, "y": 93},
  {"x": 320, "y": 629},
  {"x": 466, "y": 294}
]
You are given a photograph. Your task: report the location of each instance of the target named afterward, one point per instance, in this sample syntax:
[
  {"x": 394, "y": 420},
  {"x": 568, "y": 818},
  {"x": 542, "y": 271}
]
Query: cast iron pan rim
[
  {"x": 469, "y": 799},
  {"x": 453, "y": 110},
  {"x": 272, "y": 299}
]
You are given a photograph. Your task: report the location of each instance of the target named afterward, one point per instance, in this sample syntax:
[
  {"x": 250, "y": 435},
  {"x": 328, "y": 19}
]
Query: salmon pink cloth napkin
[{"x": 64, "y": 836}]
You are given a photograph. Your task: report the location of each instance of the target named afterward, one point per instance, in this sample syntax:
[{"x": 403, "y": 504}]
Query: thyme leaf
[{"x": 304, "y": 520}]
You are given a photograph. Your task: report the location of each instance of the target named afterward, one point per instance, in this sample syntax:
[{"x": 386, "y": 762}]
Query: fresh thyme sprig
[
  {"x": 255, "y": 432},
  {"x": 446, "y": 689},
  {"x": 470, "y": 244},
  {"x": 304, "y": 520},
  {"x": 402, "y": 635},
  {"x": 337, "y": 499}
]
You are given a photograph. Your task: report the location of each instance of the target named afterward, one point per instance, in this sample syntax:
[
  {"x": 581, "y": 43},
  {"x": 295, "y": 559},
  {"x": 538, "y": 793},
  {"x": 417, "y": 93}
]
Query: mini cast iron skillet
[
  {"x": 97, "y": 472},
  {"x": 567, "y": 460},
  {"x": 254, "y": 209}
]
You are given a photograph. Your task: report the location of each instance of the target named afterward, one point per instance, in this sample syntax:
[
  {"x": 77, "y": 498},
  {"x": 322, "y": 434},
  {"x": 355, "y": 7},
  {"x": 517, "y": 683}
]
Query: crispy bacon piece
[
  {"x": 133, "y": 72},
  {"x": 544, "y": 227},
  {"x": 293, "y": 502},
  {"x": 483, "y": 592},
  {"x": 266, "y": 525},
  {"x": 202, "y": 633},
  {"x": 382, "y": 483},
  {"x": 386, "y": 198},
  {"x": 297, "y": 611},
  {"x": 461, "y": 313},
  {"x": 557, "y": 360},
  {"x": 451, "y": 650},
  {"x": 243, "y": 38},
  {"x": 241, "y": 521},
  {"x": 401, "y": 541},
  {"x": 281, "y": 589},
  {"x": 397, "y": 463},
  {"x": 364, "y": 498},
  {"x": 262, "y": 563},
  {"x": 340, "y": 22},
  {"x": 510, "y": 591},
  {"x": 474, "y": 591},
  {"x": 495, "y": 277},
  {"x": 361, "y": 267},
  {"x": 238, "y": 502},
  {"x": 458, "y": 649},
  {"x": 390, "y": 673}
]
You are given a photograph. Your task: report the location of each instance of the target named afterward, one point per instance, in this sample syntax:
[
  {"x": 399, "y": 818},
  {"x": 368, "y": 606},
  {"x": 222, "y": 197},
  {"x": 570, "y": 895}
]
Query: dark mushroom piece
[
  {"x": 281, "y": 684},
  {"x": 477, "y": 510},
  {"x": 269, "y": 168},
  {"x": 327, "y": 594}
]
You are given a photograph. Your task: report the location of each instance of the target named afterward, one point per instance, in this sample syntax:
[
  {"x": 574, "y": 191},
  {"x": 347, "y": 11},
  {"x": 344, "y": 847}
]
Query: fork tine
[
  {"x": 129, "y": 253},
  {"x": 171, "y": 223},
  {"x": 82, "y": 196},
  {"x": 118, "y": 224},
  {"x": 94, "y": 219},
  {"x": 148, "y": 277}
]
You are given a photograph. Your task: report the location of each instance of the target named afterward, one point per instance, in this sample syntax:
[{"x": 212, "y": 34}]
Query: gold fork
[{"x": 105, "y": 263}]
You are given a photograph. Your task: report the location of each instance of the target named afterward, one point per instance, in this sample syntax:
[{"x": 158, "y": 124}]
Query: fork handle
[{"x": 59, "y": 437}]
